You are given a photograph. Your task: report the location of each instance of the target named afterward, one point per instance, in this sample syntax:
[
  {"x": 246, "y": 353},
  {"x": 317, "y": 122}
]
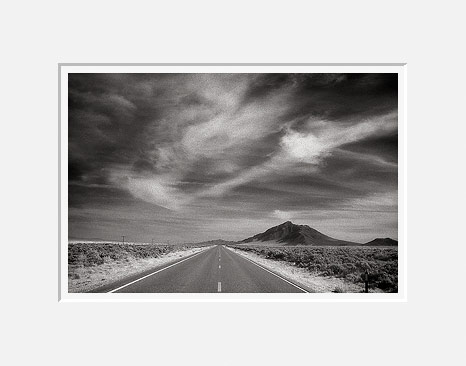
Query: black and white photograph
[{"x": 233, "y": 182}]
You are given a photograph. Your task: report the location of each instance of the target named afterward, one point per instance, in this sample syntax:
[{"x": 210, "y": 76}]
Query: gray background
[{"x": 41, "y": 330}]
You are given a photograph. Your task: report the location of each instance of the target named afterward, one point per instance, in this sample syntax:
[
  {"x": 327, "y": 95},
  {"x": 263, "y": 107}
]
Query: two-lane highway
[{"x": 212, "y": 271}]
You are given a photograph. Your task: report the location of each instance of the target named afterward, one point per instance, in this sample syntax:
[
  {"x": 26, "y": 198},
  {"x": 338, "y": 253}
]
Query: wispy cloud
[
  {"x": 323, "y": 137},
  {"x": 310, "y": 147},
  {"x": 156, "y": 190}
]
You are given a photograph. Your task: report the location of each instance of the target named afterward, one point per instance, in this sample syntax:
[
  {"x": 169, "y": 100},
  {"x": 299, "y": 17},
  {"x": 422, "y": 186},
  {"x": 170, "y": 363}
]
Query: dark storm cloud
[
  {"x": 265, "y": 84},
  {"x": 213, "y": 150},
  {"x": 386, "y": 147},
  {"x": 76, "y": 170},
  {"x": 344, "y": 97}
]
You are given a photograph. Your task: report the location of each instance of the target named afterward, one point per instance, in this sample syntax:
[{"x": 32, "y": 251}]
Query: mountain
[
  {"x": 379, "y": 242},
  {"x": 292, "y": 234}
]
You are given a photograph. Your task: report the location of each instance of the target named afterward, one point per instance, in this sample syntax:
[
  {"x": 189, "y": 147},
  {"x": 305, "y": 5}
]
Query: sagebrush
[
  {"x": 349, "y": 263},
  {"x": 87, "y": 254}
]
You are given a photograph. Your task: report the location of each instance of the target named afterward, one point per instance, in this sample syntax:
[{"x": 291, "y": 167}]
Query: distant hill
[
  {"x": 292, "y": 234},
  {"x": 212, "y": 242},
  {"x": 379, "y": 242},
  {"x": 217, "y": 242}
]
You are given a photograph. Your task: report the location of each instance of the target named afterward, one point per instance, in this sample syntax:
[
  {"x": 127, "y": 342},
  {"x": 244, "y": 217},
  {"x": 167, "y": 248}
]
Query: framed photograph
[{"x": 232, "y": 182}]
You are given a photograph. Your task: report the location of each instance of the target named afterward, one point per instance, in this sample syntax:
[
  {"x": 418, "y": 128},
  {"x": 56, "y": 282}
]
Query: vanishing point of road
[{"x": 211, "y": 271}]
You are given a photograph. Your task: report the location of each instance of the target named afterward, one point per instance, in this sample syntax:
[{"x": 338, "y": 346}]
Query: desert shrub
[
  {"x": 349, "y": 263},
  {"x": 94, "y": 254},
  {"x": 93, "y": 257},
  {"x": 335, "y": 269},
  {"x": 279, "y": 256}
]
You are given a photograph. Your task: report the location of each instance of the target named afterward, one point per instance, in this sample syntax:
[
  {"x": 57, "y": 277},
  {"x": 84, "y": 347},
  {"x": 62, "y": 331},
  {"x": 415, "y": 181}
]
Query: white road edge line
[
  {"x": 153, "y": 273},
  {"x": 219, "y": 287},
  {"x": 265, "y": 269}
]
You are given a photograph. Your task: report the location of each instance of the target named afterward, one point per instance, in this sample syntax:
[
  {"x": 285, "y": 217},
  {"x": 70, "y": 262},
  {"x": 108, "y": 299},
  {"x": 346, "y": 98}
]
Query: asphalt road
[{"x": 212, "y": 271}]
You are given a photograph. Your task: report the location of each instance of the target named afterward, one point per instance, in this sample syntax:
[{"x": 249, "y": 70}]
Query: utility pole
[
  {"x": 123, "y": 238},
  {"x": 366, "y": 282}
]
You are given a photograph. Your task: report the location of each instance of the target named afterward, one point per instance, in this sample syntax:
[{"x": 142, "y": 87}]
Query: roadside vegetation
[
  {"x": 93, "y": 254},
  {"x": 347, "y": 263},
  {"x": 92, "y": 264}
]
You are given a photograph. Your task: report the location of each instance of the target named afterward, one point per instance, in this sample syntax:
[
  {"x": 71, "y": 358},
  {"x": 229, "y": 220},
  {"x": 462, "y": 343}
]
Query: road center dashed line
[{"x": 219, "y": 287}]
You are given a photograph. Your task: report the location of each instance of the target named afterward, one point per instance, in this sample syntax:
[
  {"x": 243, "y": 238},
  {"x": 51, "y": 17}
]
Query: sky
[{"x": 193, "y": 157}]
